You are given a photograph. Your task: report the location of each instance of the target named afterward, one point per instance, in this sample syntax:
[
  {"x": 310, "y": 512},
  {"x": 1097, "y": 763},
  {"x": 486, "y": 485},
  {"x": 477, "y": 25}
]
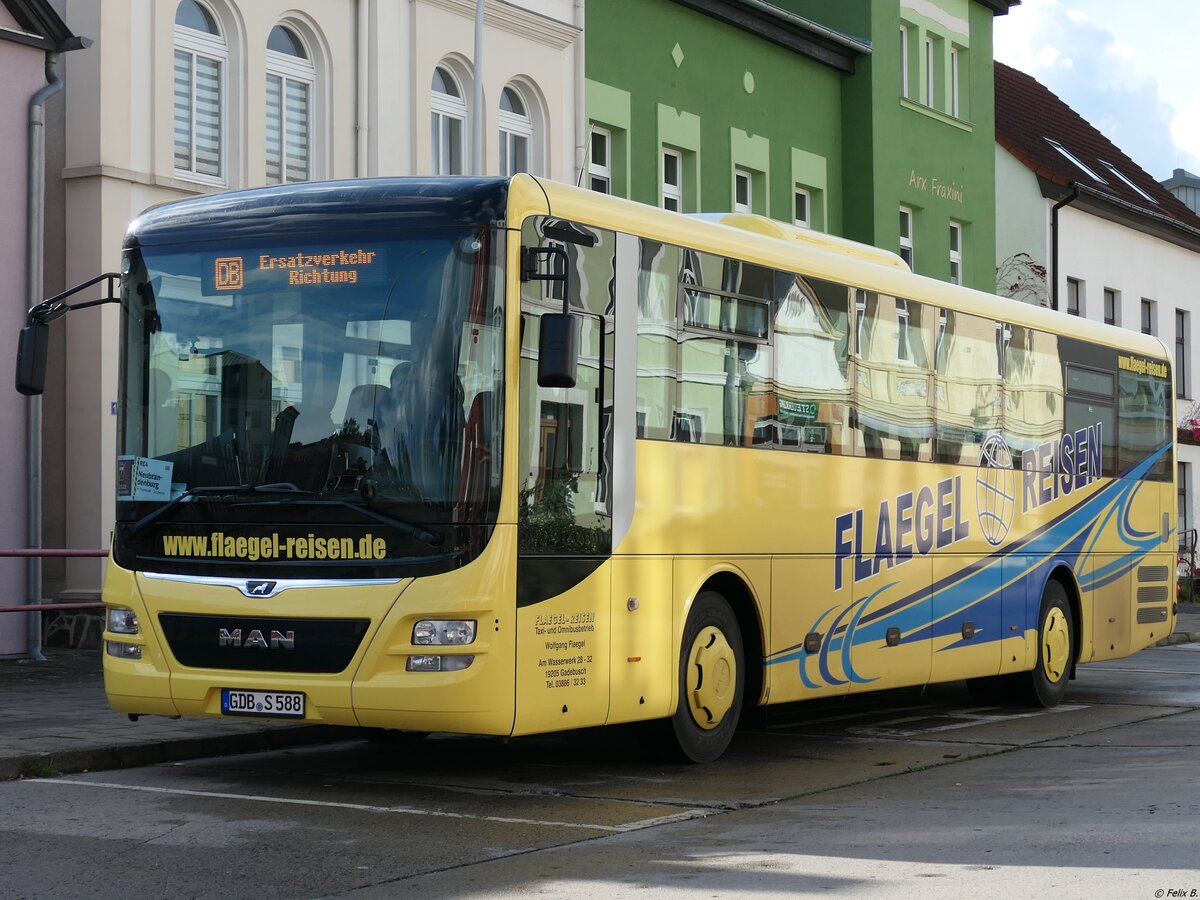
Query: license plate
[{"x": 275, "y": 704}]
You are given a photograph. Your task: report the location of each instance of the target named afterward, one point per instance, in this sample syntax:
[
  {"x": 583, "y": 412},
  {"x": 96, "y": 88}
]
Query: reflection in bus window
[
  {"x": 892, "y": 375},
  {"x": 1145, "y": 413},
  {"x": 657, "y": 346},
  {"x": 1033, "y": 391},
  {"x": 967, "y": 386},
  {"x": 812, "y": 328}
]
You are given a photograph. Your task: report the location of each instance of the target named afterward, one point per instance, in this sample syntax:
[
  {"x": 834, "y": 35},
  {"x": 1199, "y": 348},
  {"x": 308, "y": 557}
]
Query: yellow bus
[{"x": 504, "y": 456}]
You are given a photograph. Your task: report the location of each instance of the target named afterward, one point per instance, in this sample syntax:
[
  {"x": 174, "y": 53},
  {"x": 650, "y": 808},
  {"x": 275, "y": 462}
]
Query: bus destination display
[{"x": 284, "y": 268}]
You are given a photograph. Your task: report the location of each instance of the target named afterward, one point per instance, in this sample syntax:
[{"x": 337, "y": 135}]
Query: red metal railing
[{"x": 51, "y": 553}]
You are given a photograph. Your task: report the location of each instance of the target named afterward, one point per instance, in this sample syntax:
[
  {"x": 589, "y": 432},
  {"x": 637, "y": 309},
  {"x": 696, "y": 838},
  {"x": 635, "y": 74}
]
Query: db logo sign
[{"x": 229, "y": 273}]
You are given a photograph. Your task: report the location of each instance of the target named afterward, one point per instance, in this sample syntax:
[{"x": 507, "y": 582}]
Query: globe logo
[{"x": 995, "y": 489}]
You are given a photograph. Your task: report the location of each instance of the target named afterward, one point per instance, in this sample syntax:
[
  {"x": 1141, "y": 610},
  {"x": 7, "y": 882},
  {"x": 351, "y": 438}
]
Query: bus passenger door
[{"x": 564, "y": 515}]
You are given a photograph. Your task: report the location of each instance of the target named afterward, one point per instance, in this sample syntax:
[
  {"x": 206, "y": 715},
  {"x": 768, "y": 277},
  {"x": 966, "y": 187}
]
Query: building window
[
  {"x": 1121, "y": 177},
  {"x": 1147, "y": 316},
  {"x": 1110, "y": 307},
  {"x": 672, "y": 180},
  {"x": 743, "y": 191},
  {"x": 955, "y": 108},
  {"x": 516, "y": 133},
  {"x": 1073, "y": 296},
  {"x": 905, "y": 82},
  {"x": 290, "y": 78},
  {"x": 449, "y": 121},
  {"x": 906, "y": 235},
  {"x": 930, "y": 71},
  {"x": 1181, "y": 353},
  {"x": 1074, "y": 160},
  {"x": 600, "y": 161},
  {"x": 802, "y": 213},
  {"x": 956, "y": 233},
  {"x": 200, "y": 57}
]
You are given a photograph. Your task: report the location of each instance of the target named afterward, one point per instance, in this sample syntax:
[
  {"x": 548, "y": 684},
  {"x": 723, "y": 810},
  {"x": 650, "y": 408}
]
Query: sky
[{"x": 1130, "y": 69}]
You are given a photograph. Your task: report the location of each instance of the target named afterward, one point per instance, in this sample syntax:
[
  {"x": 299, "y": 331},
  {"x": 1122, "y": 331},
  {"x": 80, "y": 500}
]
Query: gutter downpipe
[
  {"x": 35, "y": 223},
  {"x": 1070, "y": 198},
  {"x": 477, "y": 95},
  {"x": 581, "y": 130},
  {"x": 362, "y": 127}
]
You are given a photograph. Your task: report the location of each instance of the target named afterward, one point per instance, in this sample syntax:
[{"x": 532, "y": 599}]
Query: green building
[{"x": 870, "y": 119}]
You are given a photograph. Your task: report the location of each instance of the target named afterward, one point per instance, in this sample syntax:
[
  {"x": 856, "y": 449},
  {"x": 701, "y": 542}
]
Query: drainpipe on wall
[
  {"x": 362, "y": 127},
  {"x": 477, "y": 95},
  {"x": 1070, "y": 198},
  {"x": 35, "y": 218},
  {"x": 35, "y": 227},
  {"x": 581, "y": 131}
]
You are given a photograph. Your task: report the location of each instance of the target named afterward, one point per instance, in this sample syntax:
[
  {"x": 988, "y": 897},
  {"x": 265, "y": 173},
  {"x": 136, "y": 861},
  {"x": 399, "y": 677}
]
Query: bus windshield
[{"x": 329, "y": 401}]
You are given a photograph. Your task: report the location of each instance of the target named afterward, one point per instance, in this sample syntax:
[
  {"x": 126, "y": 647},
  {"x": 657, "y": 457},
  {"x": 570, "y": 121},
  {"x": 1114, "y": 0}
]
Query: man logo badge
[
  {"x": 260, "y": 588},
  {"x": 279, "y": 640}
]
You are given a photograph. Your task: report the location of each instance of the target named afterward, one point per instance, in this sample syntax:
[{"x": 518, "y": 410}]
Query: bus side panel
[
  {"x": 136, "y": 685},
  {"x": 1112, "y": 606},
  {"x": 802, "y": 605},
  {"x": 1019, "y": 594},
  {"x": 875, "y": 665},
  {"x": 966, "y": 617},
  {"x": 644, "y": 631},
  {"x": 562, "y": 657}
]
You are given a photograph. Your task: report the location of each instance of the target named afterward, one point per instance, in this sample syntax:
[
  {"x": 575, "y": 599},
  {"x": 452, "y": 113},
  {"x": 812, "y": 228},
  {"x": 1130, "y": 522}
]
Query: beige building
[{"x": 181, "y": 98}]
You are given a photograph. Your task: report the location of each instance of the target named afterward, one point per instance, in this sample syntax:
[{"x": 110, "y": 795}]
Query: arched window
[
  {"x": 290, "y": 80},
  {"x": 516, "y": 133},
  {"x": 200, "y": 57},
  {"x": 449, "y": 123}
]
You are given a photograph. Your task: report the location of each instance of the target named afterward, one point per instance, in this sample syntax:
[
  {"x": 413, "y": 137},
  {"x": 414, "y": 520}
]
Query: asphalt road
[{"x": 900, "y": 794}]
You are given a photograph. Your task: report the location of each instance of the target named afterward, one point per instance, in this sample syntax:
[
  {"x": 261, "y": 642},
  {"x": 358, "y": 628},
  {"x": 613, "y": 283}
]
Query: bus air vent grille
[{"x": 1155, "y": 593}]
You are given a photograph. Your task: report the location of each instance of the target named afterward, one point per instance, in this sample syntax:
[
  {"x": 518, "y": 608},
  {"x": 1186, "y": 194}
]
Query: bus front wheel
[
  {"x": 1046, "y": 685},
  {"x": 711, "y": 681}
]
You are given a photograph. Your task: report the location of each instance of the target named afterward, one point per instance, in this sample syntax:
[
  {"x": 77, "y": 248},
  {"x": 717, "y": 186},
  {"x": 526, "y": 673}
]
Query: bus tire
[
  {"x": 1046, "y": 685},
  {"x": 712, "y": 681}
]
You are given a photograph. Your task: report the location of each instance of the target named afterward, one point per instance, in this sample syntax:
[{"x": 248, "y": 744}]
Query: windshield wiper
[
  {"x": 430, "y": 539},
  {"x": 232, "y": 489}
]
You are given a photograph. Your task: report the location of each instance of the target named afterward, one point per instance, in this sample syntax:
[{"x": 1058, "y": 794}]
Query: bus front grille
[{"x": 263, "y": 644}]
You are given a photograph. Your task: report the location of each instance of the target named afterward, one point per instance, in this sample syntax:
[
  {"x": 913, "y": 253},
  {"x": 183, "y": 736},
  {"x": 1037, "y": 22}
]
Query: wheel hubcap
[
  {"x": 1056, "y": 645},
  {"x": 712, "y": 677}
]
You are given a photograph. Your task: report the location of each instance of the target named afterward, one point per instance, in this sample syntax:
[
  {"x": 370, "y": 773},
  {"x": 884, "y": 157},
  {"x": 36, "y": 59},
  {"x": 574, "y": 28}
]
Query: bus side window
[
  {"x": 968, "y": 397},
  {"x": 657, "y": 348},
  {"x": 893, "y": 358},
  {"x": 1033, "y": 392},
  {"x": 812, "y": 357}
]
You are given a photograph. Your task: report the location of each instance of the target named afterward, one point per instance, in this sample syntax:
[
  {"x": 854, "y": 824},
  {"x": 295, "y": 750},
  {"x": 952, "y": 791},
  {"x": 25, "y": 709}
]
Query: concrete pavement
[{"x": 54, "y": 719}]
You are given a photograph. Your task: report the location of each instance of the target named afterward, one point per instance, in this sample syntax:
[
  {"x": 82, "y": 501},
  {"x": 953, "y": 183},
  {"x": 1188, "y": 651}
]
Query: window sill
[{"x": 937, "y": 115}]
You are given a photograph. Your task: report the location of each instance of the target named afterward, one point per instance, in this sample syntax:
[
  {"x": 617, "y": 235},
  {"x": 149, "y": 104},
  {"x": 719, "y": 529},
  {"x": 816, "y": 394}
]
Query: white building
[
  {"x": 180, "y": 98},
  {"x": 1127, "y": 251}
]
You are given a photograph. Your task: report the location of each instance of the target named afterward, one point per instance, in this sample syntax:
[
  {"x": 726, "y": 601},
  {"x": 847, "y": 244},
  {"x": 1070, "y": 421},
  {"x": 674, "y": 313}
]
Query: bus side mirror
[
  {"x": 32, "y": 348},
  {"x": 558, "y": 349}
]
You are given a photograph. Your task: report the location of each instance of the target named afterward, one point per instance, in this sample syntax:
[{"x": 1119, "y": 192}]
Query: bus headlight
[
  {"x": 444, "y": 631},
  {"x": 124, "y": 651},
  {"x": 439, "y": 663},
  {"x": 122, "y": 620}
]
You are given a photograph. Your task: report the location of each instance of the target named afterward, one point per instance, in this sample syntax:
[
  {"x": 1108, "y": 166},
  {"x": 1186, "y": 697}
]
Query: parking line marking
[{"x": 401, "y": 810}]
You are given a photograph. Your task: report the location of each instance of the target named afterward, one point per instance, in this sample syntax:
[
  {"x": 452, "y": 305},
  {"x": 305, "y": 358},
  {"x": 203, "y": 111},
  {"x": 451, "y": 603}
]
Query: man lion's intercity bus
[{"x": 503, "y": 456}]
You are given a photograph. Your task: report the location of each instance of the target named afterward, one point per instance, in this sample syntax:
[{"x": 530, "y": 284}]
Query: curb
[
  {"x": 1180, "y": 637},
  {"x": 96, "y": 759}
]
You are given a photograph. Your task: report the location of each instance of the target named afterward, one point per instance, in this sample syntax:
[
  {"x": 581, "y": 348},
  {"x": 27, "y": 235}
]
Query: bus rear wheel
[
  {"x": 711, "y": 681},
  {"x": 1046, "y": 685}
]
